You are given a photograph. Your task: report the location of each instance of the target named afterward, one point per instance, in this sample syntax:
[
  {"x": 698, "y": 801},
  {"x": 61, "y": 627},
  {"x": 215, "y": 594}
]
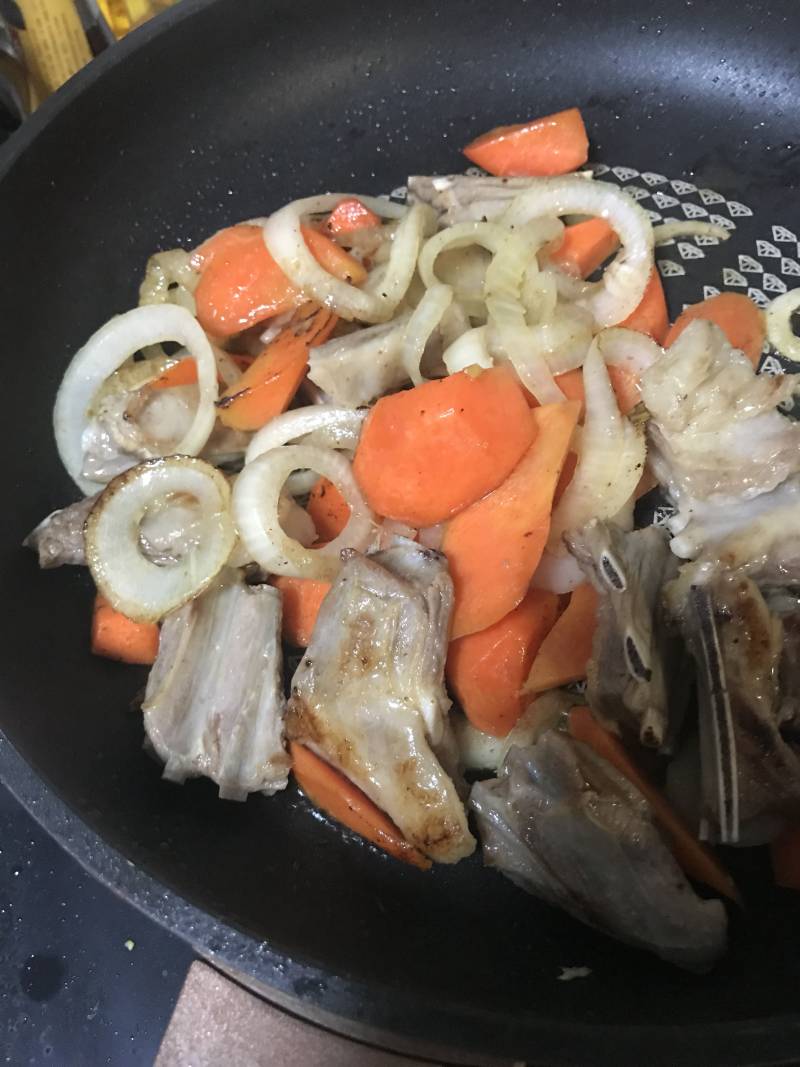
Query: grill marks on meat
[{"x": 369, "y": 697}]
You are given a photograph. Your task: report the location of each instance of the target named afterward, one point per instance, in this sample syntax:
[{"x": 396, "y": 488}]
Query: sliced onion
[
  {"x": 377, "y": 300},
  {"x": 164, "y": 269},
  {"x": 425, "y": 319},
  {"x": 564, "y": 341},
  {"x": 256, "y": 497},
  {"x": 107, "y": 350},
  {"x": 133, "y": 584},
  {"x": 779, "y": 325},
  {"x": 539, "y": 294},
  {"x": 610, "y": 461},
  {"x": 625, "y": 279},
  {"x": 432, "y": 536},
  {"x": 333, "y": 427},
  {"x": 469, "y": 350},
  {"x": 670, "y": 230},
  {"x": 488, "y": 235},
  {"x": 390, "y": 529},
  {"x": 633, "y": 351}
]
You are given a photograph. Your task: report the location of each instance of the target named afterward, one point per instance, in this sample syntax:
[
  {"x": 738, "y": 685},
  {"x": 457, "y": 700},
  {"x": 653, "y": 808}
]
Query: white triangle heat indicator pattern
[
  {"x": 708, "y": 196},
  {"x": 669, "y": 269},
  {"x": 721, "y": 220},
  {"x": 653, "y": 179},
  {"x": 663, "y": 514},
  {"x": 683, "y": 188},
  {"x": 709, "y": 291},
  {"x": 705, "y": 239},
  {"x": 750, "y": 265},
  {"x": 733, "y": 277},
  {"x": 688, "y": 251},
  {"x": 662, "y": 200},
  {"x": 738, "y": 210},
  {"x": 758, "y": 298},
  {"x": 694, "y": 211},
  {"x": 790, "y": 267},
  {"x": 771, "y": 365},
  {"x": 636, "y": 192},
  {"x": 773, "y": 284},
  {"x": 767, "y": 248},
  {"x": 625, "y": 174},
  {"x": 654, "y": 217},
  {"x": 782, "y": 235}
]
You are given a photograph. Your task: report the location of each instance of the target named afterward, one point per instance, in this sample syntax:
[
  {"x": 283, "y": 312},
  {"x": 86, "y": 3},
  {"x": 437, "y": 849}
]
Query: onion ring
[
  {"x": 133, "y": 584},
  {"x": 340, "y": 427}
]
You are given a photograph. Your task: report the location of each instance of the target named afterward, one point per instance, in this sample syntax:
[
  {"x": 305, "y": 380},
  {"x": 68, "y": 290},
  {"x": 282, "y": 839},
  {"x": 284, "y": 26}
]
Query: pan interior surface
[{"x": 224, "y": 112}]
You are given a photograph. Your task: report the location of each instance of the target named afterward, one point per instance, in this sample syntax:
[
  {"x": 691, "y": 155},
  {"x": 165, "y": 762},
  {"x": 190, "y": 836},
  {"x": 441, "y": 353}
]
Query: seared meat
[
  {"x": 633, "y": 653},
  {"x": 369, "y": 695},
  {"x": 214, "y": 702},
  {"x": 567, "y": 827},
  {"x": 716, "y": 435},
  {"x": 358, "y": 367},
  {"x": 750, "y": 772},
  {"x": 58, "y": 539},
  {"x": 465, "y": 198}
]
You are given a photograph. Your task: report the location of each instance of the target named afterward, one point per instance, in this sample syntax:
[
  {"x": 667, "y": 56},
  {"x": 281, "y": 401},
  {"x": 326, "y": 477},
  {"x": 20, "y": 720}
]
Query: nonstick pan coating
[{"x": 221, "y": 111}]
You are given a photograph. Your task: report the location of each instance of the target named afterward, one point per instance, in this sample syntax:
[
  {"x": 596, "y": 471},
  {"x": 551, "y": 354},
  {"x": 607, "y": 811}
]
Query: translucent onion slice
[
  {"x": 779, "y": 325},
  {"x": 333, "y": 427},
  {"x": 424, "y": 320},
  {"x": 558, "y": 574},
  {"x": 378, "y": 298},
  {"x": 172, "y": 268},
  {"x": 563, "y": 341},
  {"x": 105, "y": 352},
  {"x": 256, "y": 497},
  {"x": 670, "y": 230},
  {"x": 133, "y": 584},
  {"x": 629, "y": 349},
  {"x": 468, "y": 350},
  {"x": 610, "y": 460},
  {"x": 625, "y": 279}
]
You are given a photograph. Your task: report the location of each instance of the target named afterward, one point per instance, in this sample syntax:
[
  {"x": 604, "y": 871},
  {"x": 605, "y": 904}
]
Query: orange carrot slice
[
  {"x": 650, "y": 316},
  {"x": 584, "y": 247},
  {"x": 336, "y": 795},
  {"x": 431, "y": 451},
  {"x": 565, "y": 652},
  {"x": 785, "y": 854},
  {"x": 554, "y": 144},
  {"x": 486, "y": 670},
  {"x": 301, "y": 599},
  {"x": 349, "y": 215},
  {"x": 184, "y": 372},
  {"x": 115, "y": 636},
  {"x": 241, "y": 284},
  {"x": 494, "y": 546},
  {"x": 328, "y": 509},
  {"x": 268, "y": 385},
  {"x": 694, "y": 858},
  {"x": 735, "y": 314}
]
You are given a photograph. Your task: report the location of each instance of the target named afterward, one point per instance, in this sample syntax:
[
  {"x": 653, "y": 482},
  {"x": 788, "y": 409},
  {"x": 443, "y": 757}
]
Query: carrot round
[
  {"x": 431, "y": 451},
  {"x": 184, "y": 372},
  {"x": 328, "y": 509},
  {"x": 554, "y": 144},
  {"x": 735, "y": 314},
  {"x": 336, "y": 795},
  {"x": 301, "y": 599},
  {"x": 115, "y": 636},
  {"x": 494, "y": 546},
  {"x": 565, "y": 652},
  {"x": 485, "y": 670},
  {"x": 650, "y": 316},
  {"x": 241, "y": 284},
  {"x": 350, "y": 215},
  {"x": 695, "y": 859},
  {"x": 268, "y": 385},
  {"x": 585, "y": 246}
]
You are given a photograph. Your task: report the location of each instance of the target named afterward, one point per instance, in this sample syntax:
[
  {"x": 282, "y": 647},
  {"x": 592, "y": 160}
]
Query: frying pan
[{"x": 224, "y": 109}]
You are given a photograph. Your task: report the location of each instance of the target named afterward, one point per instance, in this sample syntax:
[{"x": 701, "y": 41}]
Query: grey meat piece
[
  {"x": 750, "y": 773},
  {"x": 635, "y": 680},
  {"x": 214, "y": 702},
  {"x": 58, "y": 539},
  {"x": 565, "y": 826},
  {"x": 360, "y": 366},
  {"x": 369, "y": 697},
  {"x": 464, "y": 197}
]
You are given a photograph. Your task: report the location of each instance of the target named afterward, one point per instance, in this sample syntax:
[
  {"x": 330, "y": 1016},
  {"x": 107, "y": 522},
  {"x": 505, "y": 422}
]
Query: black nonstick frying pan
[{"x": 222, "y": 110}]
